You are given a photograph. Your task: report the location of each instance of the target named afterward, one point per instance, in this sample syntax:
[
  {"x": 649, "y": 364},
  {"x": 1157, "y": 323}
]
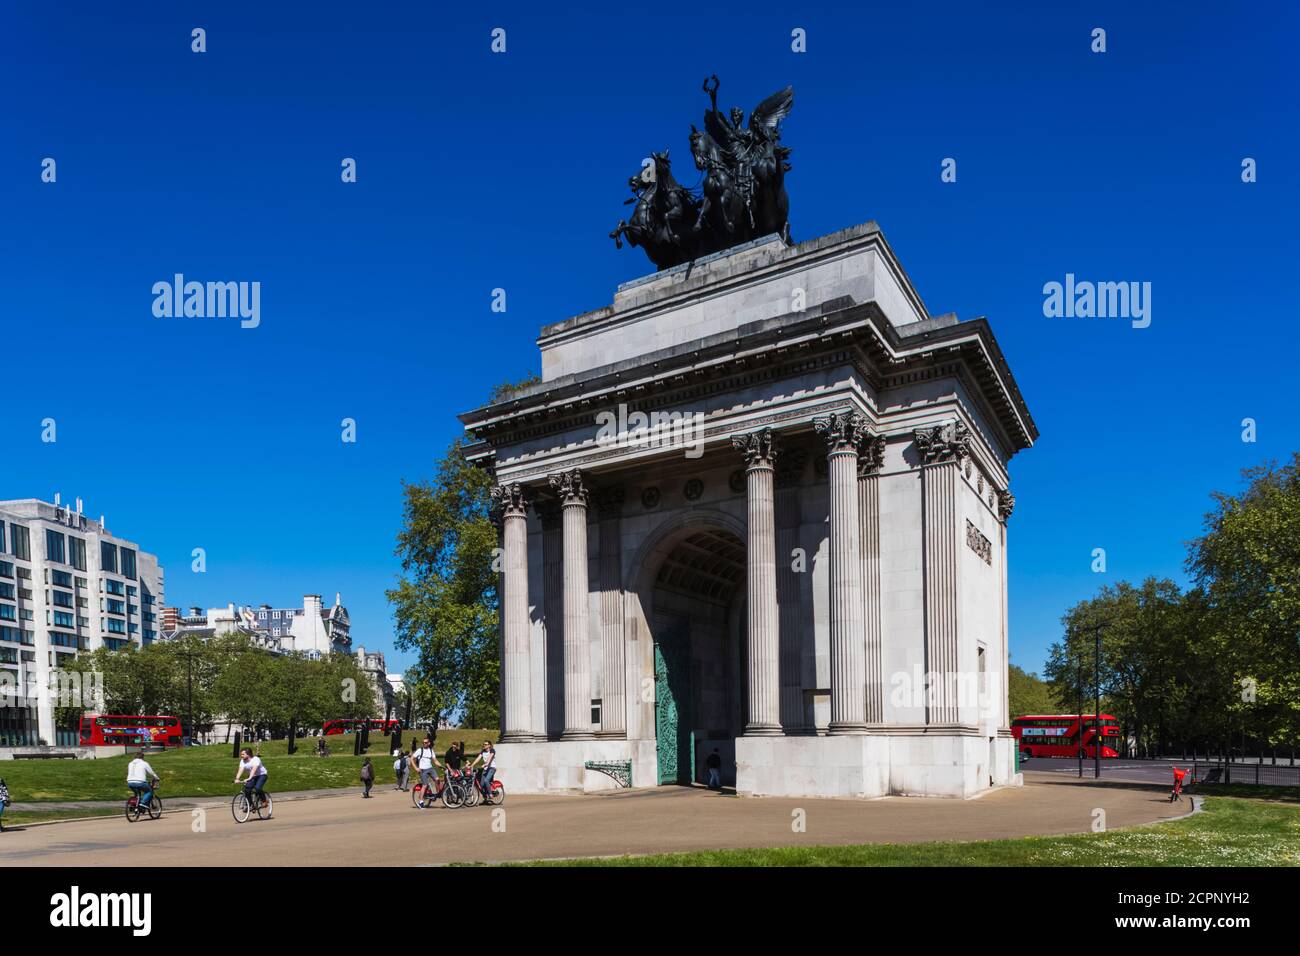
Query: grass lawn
[
  {"x": 1230, "y": 832},
  {"x": 208, "y": 771}
]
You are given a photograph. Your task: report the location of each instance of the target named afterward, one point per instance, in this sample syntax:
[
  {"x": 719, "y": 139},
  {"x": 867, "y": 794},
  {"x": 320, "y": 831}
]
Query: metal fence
[{"x": 1263, "y": 774}]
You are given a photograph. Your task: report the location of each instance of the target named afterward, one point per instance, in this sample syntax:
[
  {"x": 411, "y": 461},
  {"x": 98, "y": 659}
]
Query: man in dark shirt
[{"x": 714, "y": 766}]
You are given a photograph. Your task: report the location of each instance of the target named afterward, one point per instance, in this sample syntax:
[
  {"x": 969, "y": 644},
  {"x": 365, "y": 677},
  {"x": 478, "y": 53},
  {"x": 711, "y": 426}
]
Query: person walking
[
  {"x": 4, "y": 802},
  {"x": 367, "y": 776},
  {"x": 401, "y": 769},
  {"x": 714, "y": 765}
]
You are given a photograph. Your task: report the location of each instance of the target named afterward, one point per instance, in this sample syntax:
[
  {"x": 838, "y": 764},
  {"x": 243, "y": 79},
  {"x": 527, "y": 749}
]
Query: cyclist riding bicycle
[
  {"x": 426, "y": 761},
  {"x": 487, "y": 755},
  {"x": 256, "y": 782},
  {"x": 138, "y": 777}
]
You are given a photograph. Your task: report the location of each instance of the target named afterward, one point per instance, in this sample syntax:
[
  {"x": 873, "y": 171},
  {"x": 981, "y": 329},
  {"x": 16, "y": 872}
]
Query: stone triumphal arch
[{"x": 758, "y": 505}]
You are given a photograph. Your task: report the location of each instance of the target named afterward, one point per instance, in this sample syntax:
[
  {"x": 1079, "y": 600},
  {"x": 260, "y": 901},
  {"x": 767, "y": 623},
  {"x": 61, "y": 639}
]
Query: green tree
[
  {"x": 1028, "y": 693},
  {"x": 446, "y": 601},
  {"x": 1144, "y": 637},
  {"x": 1247, "y": 562}
]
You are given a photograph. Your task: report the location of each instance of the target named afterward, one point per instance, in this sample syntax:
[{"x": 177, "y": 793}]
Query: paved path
[
  {"x": 176, "y": 803},
  {"x": 385, "y": 830}
]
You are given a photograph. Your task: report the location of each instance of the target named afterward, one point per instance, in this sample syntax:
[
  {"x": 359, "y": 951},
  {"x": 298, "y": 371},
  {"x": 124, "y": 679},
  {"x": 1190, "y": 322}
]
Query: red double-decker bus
[
  {"x": 106, "y": 730},
  {"x": 350, "y": 726},
  {"x": 1058, "y": 735}
]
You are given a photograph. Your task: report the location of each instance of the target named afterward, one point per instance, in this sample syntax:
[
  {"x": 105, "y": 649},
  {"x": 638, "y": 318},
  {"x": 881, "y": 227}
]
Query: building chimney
[
  {"x": 78, "y": 506},
  {"x": 338, "y": 598},
  {"x": 57, "y": 500}
]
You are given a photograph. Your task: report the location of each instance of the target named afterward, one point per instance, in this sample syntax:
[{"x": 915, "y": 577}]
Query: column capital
[
  {"x": 571, "y": 487},
  {"x": 1006, "y": 504},
  {"x": 871, "y": 456},
  {"x": 508, "y": 501},
  {"x": 843, "y": 431},
  {"x": 949, "y": 441},
  {"x": 760, "y": 448}
]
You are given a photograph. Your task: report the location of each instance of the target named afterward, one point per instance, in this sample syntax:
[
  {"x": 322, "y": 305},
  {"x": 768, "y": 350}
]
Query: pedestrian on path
[
  {"x": 714, "y": 766},
  {"x": 367, "y": 777},
  {"x": 402, "y": 768},
  {"x": 4, "y": 802}
]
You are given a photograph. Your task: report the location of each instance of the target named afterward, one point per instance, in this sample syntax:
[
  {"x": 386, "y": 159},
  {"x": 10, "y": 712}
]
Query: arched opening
[{"x": 696, "y": 619}]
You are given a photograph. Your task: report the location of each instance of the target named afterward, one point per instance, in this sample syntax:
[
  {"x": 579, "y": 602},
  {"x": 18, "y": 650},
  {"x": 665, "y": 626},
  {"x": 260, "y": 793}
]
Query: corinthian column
[
  {"x": 870, "y": 459},
  {"x": 516, "y": 665},
  {"x": 577, "y": 651},
  {"x": 844, "y": 433},
  {"x": 942, "y": 448},
  {"x": 764, "y": 674},
  {"x": 613, "y": 704}
]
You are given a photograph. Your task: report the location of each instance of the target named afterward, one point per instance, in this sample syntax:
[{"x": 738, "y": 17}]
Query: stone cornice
[{"x": 841, "y": 333}]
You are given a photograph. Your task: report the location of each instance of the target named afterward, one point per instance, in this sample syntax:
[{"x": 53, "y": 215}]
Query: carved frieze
[{"x": 976, "y": 541}]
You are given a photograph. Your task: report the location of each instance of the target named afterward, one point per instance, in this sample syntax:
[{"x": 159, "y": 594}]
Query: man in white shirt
[
  {"x": 257, "y": 773},
  {"x": 426, "y": 761},
  {"x": 138, "y": 777}
]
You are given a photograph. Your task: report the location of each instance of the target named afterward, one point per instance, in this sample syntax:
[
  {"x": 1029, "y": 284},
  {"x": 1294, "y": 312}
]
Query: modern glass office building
[{"x": 66, "y": 585}]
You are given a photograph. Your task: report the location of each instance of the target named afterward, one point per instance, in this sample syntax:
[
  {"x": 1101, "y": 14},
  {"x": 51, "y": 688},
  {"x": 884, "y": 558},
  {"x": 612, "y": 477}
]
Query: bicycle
[
  {"x": 424, "y": 800},
  {"x": 496, "y": 797},
  {"x": 241, "y": 808},
  {"x": 460, "y": 787},
  {"x": 154, "y": 807}
]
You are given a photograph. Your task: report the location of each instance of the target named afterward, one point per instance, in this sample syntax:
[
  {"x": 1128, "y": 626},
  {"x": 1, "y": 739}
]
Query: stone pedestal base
[
  {"x": 557, "y": 766},
  {"x": 899, "y": 762},
  {"x": 881, "y": 763}
]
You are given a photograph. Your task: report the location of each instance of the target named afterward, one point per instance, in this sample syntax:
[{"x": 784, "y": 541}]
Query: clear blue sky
[{"x": 479, "y": 171}]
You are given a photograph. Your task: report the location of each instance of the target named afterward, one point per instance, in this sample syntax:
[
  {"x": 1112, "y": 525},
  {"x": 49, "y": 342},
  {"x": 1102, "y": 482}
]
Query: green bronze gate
[{"x": 674, "y": 737}]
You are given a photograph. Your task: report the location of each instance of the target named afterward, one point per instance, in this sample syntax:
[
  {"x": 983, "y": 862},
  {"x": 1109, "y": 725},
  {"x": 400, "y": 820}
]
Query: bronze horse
[
  {"x": 660, "y": 221},
  {"x": 724, "y": 209}
]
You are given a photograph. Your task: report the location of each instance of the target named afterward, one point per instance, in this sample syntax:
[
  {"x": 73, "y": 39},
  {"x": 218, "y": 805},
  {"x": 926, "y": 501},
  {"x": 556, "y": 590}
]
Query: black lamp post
[
  {"x": 1079, "y": 699},
  {"x": 1096, "y": 700}
]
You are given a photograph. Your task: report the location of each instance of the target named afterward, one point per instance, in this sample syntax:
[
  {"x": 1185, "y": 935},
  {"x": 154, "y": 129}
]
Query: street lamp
[{"x": 1096, "y": 700}]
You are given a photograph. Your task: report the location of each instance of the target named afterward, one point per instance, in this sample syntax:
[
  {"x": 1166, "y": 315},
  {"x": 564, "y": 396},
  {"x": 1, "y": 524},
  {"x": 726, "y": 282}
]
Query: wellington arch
[{"x": 790, "y": 548}]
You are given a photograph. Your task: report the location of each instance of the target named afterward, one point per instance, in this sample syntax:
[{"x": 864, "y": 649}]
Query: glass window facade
[
  {"x": 77, "y": 552},
  {"x": 108, "y": 556},
  {"x": 55, "y": 549},
  {"x": 20, "y": 542}
]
